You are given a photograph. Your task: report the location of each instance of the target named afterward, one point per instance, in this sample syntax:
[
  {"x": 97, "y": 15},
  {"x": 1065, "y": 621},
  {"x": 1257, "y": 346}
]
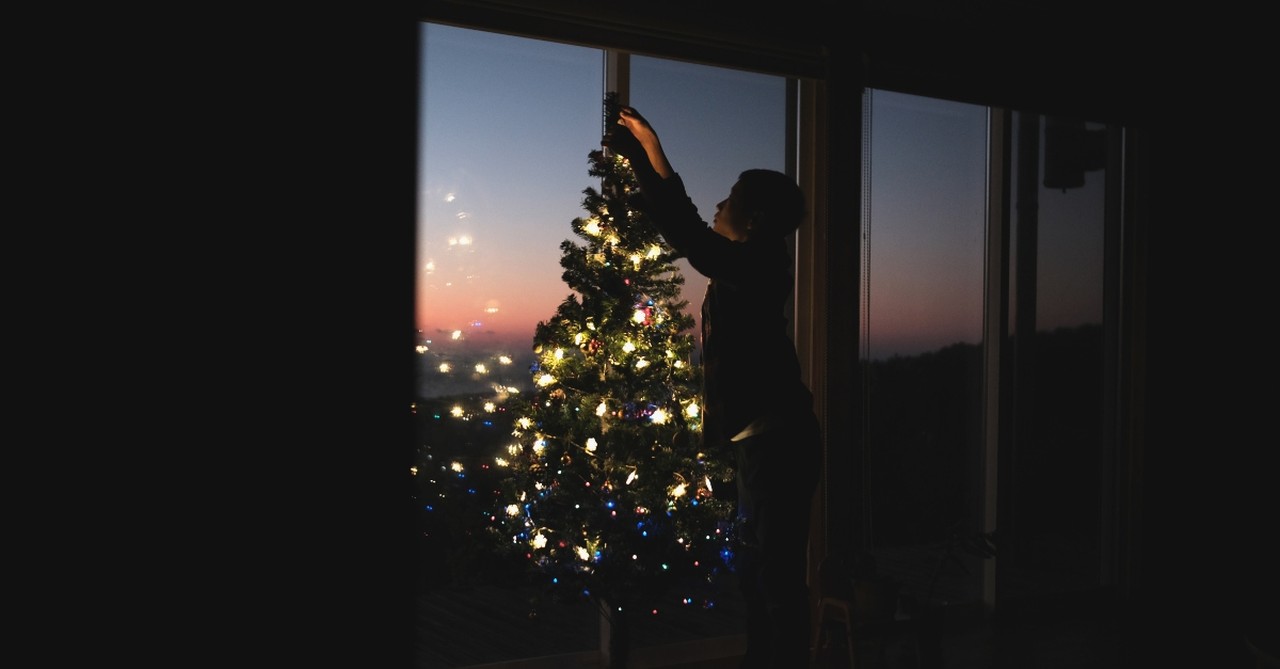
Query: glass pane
[
  {"x": 1053, "y": 462},
  {"x": 714, "y": 124},
  {"x": 506, "y": 127},
  {"x": 496, "y": 201},
  {"x": 922, "y": 324}
]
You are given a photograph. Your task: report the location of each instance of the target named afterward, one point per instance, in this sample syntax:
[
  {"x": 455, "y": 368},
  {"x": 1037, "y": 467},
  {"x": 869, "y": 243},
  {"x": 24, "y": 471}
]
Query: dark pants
[{"x": 777, "y": 475}]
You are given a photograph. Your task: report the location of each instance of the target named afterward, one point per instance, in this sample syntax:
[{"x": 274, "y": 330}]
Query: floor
[
  {"x": 963, "y": 642},
  {"x": 494, "y": 630}
]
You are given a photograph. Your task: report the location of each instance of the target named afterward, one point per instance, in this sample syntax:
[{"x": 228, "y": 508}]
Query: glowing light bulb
[
  {"x": 632, "y": 476},
  {"x": 579, "y": 338},
  {"x": 513, "y": 509},
  {"x": 501, "y": 462},
  {"x": 524, "y": 422},
  {"x": 444, "y": 368},
  {"x": 456, "y": 334},
  {"x": 490, "y": 407},
  {"x": 546, "y": 380},
  {"x": 642, "y": 363},
  {"x": 456, "y": 466},
  {"x": 678, "y": 491},
  {"x": 691, "y": 410},
  {"x": 582, "y": 553},
  {"x": 504, "y": 359},
  {"x": 481, "y": 368},
  {"x": 559, "y": 354},
  {"x": 456, "y": 412},
  {"x": 628, "y": 347},
  {"x": 659, "y": 416},
  {"x": 602, "y": 409},
  {"x": 591, "y": 445},
  {"x": 592, "y": 227},
  {"x": 539, "y": 541},
  {"x": 639, "y": 315}
]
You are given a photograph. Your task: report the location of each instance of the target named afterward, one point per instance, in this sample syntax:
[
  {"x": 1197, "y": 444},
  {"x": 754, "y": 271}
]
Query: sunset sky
[{"x": 507, "y": 124}]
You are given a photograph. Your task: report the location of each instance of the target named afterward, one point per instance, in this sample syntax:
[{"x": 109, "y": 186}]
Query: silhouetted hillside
[{"x": 924, "y": 428}]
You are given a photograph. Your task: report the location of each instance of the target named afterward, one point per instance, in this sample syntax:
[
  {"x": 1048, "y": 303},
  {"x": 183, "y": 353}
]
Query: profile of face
[{"x": 731, "y": 219}]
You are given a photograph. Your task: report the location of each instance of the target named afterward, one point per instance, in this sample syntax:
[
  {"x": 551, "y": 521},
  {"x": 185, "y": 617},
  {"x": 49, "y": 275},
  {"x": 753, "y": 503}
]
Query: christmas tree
[{"x": 608, "y": 495}]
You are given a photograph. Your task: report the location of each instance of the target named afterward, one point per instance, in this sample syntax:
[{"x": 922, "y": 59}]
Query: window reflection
[{"x": 1053, "y": 458}]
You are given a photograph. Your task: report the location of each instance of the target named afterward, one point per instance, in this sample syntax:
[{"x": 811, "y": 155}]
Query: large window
[
  {"x": 987, "y": 270},
  {"x": 985, "y": 349},
  {"x": 507, "y": 124}
]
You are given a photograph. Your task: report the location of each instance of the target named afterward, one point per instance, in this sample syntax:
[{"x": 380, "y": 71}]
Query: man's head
[{"x": 762, "y": 203}]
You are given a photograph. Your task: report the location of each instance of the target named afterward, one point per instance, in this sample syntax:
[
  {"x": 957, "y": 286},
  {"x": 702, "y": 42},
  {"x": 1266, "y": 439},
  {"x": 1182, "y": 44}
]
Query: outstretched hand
[
  {"x": 631, "y": 119},
  {"x": 636, "y": 140},
  {"x": 620, "y": 141}
]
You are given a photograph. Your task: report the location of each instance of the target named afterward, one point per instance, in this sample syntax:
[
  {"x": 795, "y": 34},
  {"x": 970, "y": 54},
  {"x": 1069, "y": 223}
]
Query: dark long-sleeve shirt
[{"x": 751, "y": 376}]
